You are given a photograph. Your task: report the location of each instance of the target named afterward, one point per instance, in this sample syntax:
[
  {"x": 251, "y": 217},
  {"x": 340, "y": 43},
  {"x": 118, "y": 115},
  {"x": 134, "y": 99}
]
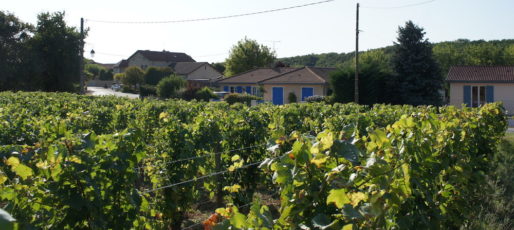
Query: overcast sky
[{"x": 327, "y": 27}]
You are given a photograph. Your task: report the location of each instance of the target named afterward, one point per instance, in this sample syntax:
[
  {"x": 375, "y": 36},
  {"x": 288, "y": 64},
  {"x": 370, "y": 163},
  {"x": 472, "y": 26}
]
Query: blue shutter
[
  {"x": 239, "y": 89},
  {"x": 278, "y": 95},
  {"x": 467, "y": 95},
  {"x": 489, "y": 93},
  {"x": 307, "y": 92},
  {"x": 248, "y": 89},
  {"x": 225, "y": 88}
]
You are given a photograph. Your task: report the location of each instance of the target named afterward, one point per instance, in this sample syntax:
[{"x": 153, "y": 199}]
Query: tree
[
  {"x": 94, "y": 70},
  {"x": 219, "y": 66},
  {"x": 418, "y": 73},
  {"x": 133, "y": 76},
  {"x": 13, "y": 36},
  {"x": 376, "y": 80},
  {"x": 155, "y": 74},
  {"x": 170, "y": 87},
  {"x": 54, "y": 52},
  {"x": 246, "y": 55}
]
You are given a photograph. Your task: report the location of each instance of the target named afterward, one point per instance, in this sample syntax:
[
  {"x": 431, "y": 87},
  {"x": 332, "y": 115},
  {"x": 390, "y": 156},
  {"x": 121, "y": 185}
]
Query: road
[{"x": 100, "y": 91}]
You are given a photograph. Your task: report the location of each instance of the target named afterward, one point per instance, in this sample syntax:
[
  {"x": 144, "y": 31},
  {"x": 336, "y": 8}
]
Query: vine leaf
[{"x": 338, "y": 197}]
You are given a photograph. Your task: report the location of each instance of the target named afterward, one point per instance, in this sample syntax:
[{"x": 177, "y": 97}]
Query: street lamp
[{"x": 92, "y": 53}]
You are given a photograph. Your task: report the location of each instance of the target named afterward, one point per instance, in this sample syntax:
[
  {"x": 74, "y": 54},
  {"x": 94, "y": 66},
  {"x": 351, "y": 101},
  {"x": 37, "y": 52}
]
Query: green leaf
[
  {"x": 346, "y": 150},
  {"x": 23, "y": 171},
  {"x": 238, "y": 220},
  {"x": 338, "y": 197},
  {"x": 7, "y": 194},
  {"x": 321, "y": 221}
]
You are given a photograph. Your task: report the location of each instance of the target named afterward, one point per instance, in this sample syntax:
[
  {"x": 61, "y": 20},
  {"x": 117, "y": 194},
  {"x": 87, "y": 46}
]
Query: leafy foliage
[
  {"x": 247, "y": 54},
  {"x": 74, "y": 162},
  {"x": 170, "y": 87},
  {"x": 418, "y": 73},
  {"x": 42, "y": 57},
  {"x": 132, "y": 76},
  {"x": 153, "y": 75}
]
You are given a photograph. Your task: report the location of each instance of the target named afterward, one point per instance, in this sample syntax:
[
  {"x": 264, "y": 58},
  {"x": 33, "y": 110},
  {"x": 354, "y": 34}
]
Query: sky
[{"x": 322, "y": 28}]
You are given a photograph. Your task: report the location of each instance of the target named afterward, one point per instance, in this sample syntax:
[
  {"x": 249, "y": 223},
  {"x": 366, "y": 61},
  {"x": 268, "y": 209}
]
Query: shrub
[
  {"x": 128, "y": 89},
  {"x": 133, "y": 76},
  {"x": 315, "y": 98},
  {"x": 147, "y": 90},
  {"x": 292, "y": 98},
  {"x": 241, "y": 98},
  {"x": 155, "y": 74},
  {"x": 205, "y": 94},
  {"x": 170, "y": 87}
]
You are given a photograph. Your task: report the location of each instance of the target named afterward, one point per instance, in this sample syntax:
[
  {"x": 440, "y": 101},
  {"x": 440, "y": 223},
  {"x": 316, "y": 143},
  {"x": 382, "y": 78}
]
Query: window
[
  {"x": 232, "y": 89},
  {"x": 254, "y": 90},
  {"x": 476, "y": 96},
  {"x": 143, "y": 66}
]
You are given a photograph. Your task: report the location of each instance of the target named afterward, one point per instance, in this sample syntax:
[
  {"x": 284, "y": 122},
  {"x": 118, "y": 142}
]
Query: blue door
[
  {"x": 307, "y": 92},
  {"x": 278, "y": 95}
]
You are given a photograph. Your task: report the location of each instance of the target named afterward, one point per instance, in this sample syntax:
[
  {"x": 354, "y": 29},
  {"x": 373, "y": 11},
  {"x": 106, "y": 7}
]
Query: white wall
[
  {"x": 204, "y": 72},
  {"x": 502, "y": 92}
]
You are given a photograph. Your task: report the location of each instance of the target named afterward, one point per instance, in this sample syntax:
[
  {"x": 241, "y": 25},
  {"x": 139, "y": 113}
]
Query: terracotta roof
[
  {"x": 256, "y": 75},
  {"x": 164, "y": 56},
  {"x": 184, "y": 68},
  {"x": 305, "y": 75},
  {"x": 481, "y": 74}
]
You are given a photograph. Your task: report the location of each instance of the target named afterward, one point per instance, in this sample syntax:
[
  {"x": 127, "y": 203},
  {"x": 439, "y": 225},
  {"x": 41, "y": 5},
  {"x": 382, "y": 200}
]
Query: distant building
[
  {"x": 477, "y": 85},
  {"x": 275, "y": 84},
  {"x": 198, "y": 74}
]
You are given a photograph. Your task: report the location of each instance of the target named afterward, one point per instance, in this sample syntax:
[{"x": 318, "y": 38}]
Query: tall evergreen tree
[{"x": 418, "y": 73}]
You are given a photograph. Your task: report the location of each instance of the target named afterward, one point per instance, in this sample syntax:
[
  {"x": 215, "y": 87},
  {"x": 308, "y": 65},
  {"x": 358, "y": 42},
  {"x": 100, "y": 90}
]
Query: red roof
[{"x": 484, "y": 74}]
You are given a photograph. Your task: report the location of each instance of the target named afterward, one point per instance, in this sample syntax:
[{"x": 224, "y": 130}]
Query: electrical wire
[
  {"x": 210, "y": 18},
  {"x": 398, "y": 7}
]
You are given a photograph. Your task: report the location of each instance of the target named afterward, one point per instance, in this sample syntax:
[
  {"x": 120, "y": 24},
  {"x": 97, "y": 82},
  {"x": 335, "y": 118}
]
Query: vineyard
[{"x": 81, "y": 162}]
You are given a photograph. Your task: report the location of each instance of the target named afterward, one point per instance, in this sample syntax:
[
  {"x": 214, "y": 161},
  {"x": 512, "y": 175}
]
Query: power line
[
  {"x": 398, "y": 7},
  {"x": 210, "y": 18}
]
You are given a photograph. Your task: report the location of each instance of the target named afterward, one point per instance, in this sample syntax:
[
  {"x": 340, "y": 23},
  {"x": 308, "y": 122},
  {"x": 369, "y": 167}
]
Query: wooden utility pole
[
  {"x": 357, "y": 57},
  {"x": 82, "y": 91}
]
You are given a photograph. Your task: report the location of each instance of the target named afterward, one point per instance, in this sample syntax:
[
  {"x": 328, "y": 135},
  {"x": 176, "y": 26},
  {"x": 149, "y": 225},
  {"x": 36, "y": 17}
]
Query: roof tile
[{"x": 481, "y": 74}]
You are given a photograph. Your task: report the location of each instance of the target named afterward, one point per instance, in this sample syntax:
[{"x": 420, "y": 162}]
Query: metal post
[
  {"x": 82, "y": 91},
  {"x": 357, "y": 57}
]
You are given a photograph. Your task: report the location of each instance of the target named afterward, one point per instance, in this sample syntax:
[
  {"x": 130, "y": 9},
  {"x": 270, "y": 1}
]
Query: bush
[
  {"x": 292, "y": 98},
  {"x": 154, "y": 75},
  {"x": 170, "y": 87},
  {"x": 205, "y": 94},
  {"x": 128, "y": 89},
  {"x": 241, "y": 98},
  {"x": 147, "y": 90},
  {"x": 315, "y": 98},
  {"x": 133, "y": 76}
]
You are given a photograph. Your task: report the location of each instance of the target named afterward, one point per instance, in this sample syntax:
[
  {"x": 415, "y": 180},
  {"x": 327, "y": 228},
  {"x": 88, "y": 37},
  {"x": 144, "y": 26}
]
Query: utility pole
[
  {"x": 82, "y": 56},
  {"x": 357, "y": 57}
]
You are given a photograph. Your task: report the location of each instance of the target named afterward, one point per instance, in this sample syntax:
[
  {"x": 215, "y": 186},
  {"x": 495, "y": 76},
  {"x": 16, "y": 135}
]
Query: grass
[{"x": 495, "y": 208}]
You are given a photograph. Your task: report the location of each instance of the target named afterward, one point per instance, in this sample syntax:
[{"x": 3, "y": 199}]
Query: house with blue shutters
[
  {"x": 474, "y": 86},
  {"x": 276, "y": 84}
]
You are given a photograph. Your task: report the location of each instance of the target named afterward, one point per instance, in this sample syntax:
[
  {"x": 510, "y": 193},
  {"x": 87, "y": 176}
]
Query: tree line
[{"x": 41, "y": 57}]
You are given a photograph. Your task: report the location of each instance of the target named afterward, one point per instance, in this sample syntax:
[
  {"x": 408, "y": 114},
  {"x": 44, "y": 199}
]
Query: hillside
[{"x": 447, "y": 54}]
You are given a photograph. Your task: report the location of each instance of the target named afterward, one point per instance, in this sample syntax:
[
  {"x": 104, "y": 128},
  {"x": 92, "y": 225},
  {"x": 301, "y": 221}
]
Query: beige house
[
  {"x": 276, "y": 84},
  {"x": 477, "y": 85},
  {"x": 198, "y": 74}
]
